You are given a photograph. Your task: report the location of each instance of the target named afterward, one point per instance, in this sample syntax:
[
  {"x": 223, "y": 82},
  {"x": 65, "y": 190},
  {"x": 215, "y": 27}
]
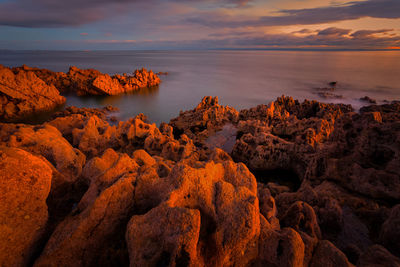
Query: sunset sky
[{"x": 195, "y": 24}]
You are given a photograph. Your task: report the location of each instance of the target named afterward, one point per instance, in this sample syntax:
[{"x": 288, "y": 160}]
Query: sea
[{"x": 240, "y": 78}]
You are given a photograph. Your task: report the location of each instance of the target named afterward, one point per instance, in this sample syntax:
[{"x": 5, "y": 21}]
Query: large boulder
[
  {"x": 209, "y": 216},
  {"x": 92, "y": 234},
  {"x": 25, "y": 182},
  {"x": 47, "y": 141}
]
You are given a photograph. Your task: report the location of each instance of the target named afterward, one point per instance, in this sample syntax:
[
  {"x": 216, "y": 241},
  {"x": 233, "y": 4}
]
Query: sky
[{"x": 199, "y": 24}]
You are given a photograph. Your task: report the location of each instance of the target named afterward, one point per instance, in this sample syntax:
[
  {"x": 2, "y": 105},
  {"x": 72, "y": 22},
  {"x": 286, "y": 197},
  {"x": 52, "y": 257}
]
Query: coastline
[
  {"x": 26, "y": 91},
  {"x": 128, "y": 192}
]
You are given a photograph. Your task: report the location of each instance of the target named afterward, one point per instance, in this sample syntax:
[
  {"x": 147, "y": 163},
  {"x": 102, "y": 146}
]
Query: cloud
[
  {"x": 61, "y": 13},
  {"x": 48, "y": 13},
  {"x": 329, "y": 38},
  {"x": 229, "y": 24},
  {"x": 333, "y": 31},
  {"x": 389, "y": 9},
  {"x": 303, "y": 31},
  {"x": 369, "y": 33}
]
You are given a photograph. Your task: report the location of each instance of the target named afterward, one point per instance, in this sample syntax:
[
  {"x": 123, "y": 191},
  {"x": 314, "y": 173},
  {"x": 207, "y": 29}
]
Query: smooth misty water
[{"x": 241, "y": 79}]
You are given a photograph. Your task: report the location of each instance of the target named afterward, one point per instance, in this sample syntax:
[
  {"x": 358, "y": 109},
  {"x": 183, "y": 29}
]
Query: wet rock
[
  {"x": 333, "y": 84},
  {"x": 329, "y": 95},
  {"x": 224, "y": 139},
  {"x": 22, "y": 93},
  {"x": 162, "y": 73},
  {"x": 389, "y": 111},
  {"x": 25, "y": 182},
  {"x": 206, "y": 119},
  {"x": 367, "y": 99}
]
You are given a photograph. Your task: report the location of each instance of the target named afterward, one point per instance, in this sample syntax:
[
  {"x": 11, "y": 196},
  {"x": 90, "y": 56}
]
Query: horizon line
[{"x": 214, "y": 49}]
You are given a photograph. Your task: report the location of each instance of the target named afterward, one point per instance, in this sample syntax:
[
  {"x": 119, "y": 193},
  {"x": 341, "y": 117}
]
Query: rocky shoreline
[
  {"x": 26, "y": 90},
  {"x": 299, "y": 184}
]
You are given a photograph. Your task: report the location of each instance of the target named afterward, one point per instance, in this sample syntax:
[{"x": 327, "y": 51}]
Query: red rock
[
  {"x": 23, "y": 93},
  {"x": 93, "y": 82},
  {"x": 59, "y": 80},
  {"x": 203, "y": 121},
  {"x": 48, "y": 142},
  {"x": 92, "y": 234},
  {"x": 149, "y": 195},
  {"x": 25, "y": 182},
  {"x": 219, "y": 201},
  {"x": 177, "y": 228}
]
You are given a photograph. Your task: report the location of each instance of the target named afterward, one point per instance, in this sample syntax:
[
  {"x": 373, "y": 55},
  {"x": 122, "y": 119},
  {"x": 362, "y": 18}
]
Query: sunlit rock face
[
  {"x": 23, "y": 93},
  {"x": 302, "y": 184},
  {"x": 25, "y": 182},
  {"x": 344, "y": 164},
  {"x": 93, "y": 82},
  {"x": 26, "y": 91}
]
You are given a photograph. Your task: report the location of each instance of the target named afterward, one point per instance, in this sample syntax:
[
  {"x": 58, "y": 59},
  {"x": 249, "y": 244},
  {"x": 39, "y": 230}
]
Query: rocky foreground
[
  {"x": 25, "y": 90},
  {"x": 301, "y": 184}
]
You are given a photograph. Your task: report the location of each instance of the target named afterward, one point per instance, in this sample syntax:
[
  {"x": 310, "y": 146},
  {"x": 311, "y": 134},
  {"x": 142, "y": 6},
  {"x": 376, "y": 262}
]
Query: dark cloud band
[{"x": 389, "y": 9}]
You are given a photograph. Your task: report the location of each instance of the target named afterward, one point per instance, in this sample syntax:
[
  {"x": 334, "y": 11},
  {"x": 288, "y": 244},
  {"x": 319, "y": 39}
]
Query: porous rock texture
[
  {"x": 306, "y": 184},
  {"x": 93, "y": 82},
  {"x": 23, "y": 93},
  {"x": 26, "y": 91},
  {"x": 25, "y": 182}
]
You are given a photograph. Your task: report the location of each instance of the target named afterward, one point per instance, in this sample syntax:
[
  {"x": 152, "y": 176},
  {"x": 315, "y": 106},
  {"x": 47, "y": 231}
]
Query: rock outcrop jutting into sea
[
  {"x": 25, "y": 90},
  {"x": 303, "y": 184},
  {"x": 23, "y": 93}
]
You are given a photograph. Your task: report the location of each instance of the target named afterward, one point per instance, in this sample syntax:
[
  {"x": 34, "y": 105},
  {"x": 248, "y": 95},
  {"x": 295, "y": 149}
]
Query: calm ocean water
[{"x": 241, "y": 79}]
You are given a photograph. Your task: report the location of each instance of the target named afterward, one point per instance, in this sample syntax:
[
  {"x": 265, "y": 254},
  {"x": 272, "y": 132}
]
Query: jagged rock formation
[
  {"x": 306, "y": 184},
  {"x": 23, "y": 93},
  {"x": 93, "y": 82}
]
